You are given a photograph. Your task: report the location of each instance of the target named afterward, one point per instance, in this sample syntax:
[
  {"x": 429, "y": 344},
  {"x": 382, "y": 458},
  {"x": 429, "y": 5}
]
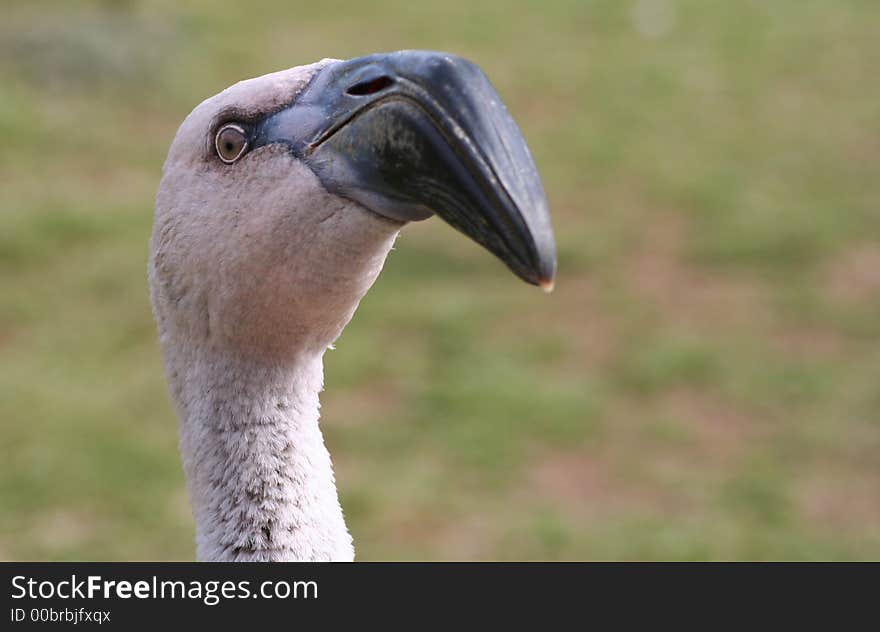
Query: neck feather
[{"x": 260, "y": 478}]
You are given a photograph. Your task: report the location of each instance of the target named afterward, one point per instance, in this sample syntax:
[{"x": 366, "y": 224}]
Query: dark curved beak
[{"x": 414, "y": 133}]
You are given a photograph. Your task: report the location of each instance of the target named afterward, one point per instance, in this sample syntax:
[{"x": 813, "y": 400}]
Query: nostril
[{"x": 371, "y": 86}]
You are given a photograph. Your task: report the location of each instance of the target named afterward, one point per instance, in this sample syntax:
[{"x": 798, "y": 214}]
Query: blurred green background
[{"x": 704, "y": 383}]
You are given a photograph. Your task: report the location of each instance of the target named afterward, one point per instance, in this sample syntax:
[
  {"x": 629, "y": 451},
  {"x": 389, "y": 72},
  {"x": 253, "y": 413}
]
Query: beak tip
[{"x": 547, "y": 284}]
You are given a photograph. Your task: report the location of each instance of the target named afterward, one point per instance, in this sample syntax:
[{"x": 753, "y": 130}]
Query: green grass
[{"x": 704, "y": 383}]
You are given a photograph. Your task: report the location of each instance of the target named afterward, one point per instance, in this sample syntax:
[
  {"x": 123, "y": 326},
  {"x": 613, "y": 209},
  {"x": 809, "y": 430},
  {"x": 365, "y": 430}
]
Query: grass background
[{"x": 704, "y": 383}]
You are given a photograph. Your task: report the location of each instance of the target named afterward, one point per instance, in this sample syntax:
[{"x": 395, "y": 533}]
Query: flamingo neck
[{"x": 259, "y": 476}]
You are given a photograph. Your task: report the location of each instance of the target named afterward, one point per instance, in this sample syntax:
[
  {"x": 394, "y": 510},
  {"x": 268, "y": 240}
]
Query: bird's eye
[{"x": 231, "y": 142}]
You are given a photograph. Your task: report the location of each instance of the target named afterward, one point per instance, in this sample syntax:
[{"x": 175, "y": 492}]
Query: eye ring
[{"x": 230, "y": 142}]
